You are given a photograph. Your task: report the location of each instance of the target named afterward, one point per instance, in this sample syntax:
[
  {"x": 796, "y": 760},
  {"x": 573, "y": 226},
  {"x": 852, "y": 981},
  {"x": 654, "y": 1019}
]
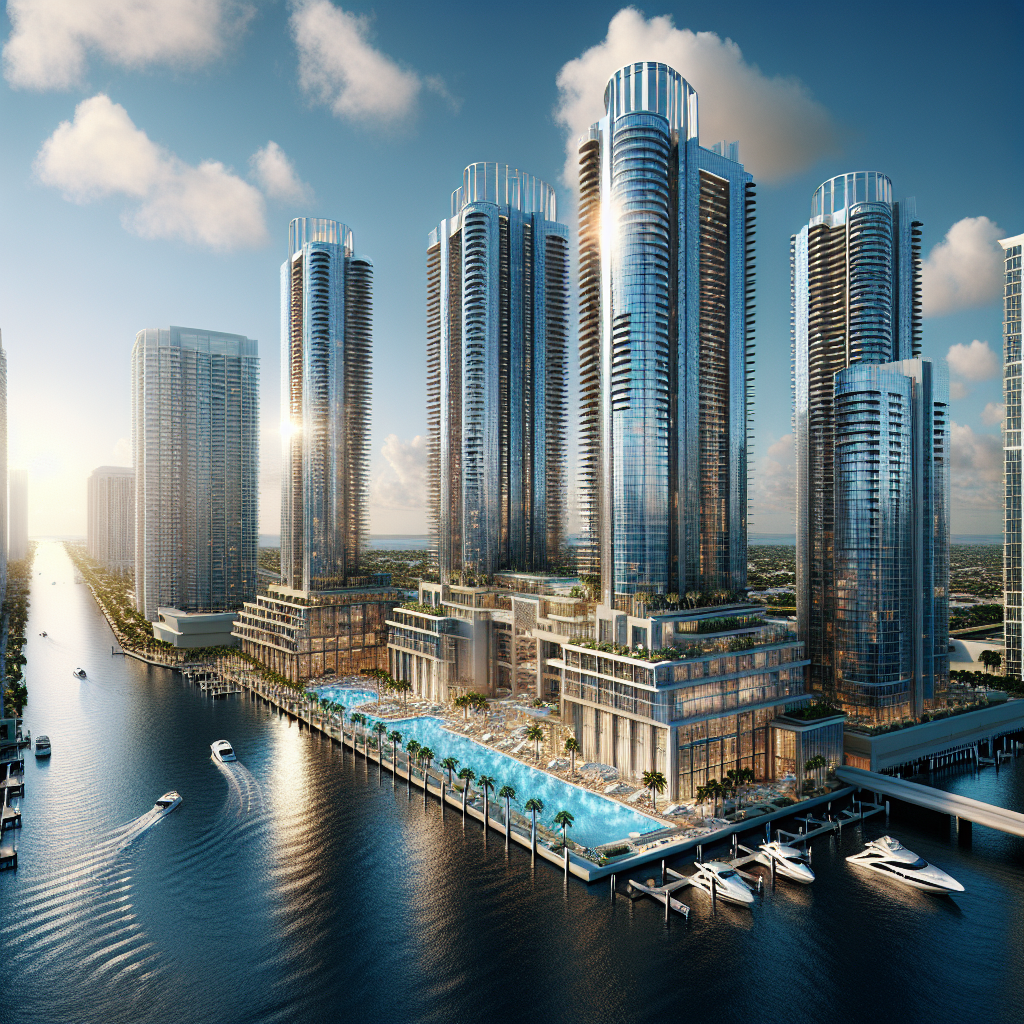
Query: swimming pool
[
  {"x": 598, "y": 819},
  {"x": 345, "y": 696}
]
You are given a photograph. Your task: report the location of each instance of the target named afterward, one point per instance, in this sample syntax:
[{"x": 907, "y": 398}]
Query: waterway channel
[{"x": 292, "y": 887}]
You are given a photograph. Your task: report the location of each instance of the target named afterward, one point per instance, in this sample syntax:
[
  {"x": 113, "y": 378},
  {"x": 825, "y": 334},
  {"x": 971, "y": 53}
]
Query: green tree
[
  {"x": 565, "y": 819},
  {"x": 396, "y": 737},
  {"x": 572, "y": 748},
  {"x": 655, "y": 782},
  {"x": 536, "y": 734},
  {"x": 508, "y": 794},
  {"x": 467, "y": 775},
  {"x": 534, "y": 806},
  {"x": 486, "y": 784},
  {"x": 449, "y": 764},
  {"x": 426, "y": 757}
]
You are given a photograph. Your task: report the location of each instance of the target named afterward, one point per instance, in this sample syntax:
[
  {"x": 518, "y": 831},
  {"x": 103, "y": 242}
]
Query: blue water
[
  {"x": 598, "y": 819},
  {"x": 344, "y": 695}
]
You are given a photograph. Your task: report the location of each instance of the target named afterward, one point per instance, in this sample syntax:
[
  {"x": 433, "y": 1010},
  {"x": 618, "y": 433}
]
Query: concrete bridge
[{"x": 962, "y": 807}]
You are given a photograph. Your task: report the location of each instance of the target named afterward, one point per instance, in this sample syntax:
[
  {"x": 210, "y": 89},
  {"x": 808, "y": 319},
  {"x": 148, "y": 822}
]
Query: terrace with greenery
[{"x": 719, "y": 645}]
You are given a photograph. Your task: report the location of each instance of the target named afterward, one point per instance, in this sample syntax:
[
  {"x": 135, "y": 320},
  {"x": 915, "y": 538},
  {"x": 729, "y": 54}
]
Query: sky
[{"x": 152, "y": 153}]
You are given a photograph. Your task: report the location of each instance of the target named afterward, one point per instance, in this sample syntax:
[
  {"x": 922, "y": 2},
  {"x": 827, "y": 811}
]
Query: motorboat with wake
[
  {"x": 789, "y": 861},
  {"x": 43, "y": 746},
  {"x": 223, "y": 751},
  {"x": 889, "y": 857},
  {"x": 79, "y": 673},
  {"x": 729, "y": 886},
  {"x": 167, "y": 802}
]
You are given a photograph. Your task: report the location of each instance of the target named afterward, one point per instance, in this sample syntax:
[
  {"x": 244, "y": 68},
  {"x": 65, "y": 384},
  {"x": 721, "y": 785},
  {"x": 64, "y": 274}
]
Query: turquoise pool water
[
  {"x": 598, "y": 819},
  {"x": 343, "y": 695}
]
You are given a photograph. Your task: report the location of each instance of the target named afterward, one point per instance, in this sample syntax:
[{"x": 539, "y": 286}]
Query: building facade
[
  {"x": 856, "y": 303},
  {"x": 195, "y": 449},
  {"x": 497, "y": 376},
  {"x": 323, "y": 619},
  {"x": 17, "y": 514},
  {"x": 326, "y": 343},
  {"x": 110, "y": 527},
  {"x": 1013, "y": 560},
  {"x": 666, "y": 265},
  {"x": 3, "y": 520}
]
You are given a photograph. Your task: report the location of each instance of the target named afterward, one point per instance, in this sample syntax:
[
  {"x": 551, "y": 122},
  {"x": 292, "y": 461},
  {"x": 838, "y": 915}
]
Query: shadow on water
[{"x": 290, "y": 886}]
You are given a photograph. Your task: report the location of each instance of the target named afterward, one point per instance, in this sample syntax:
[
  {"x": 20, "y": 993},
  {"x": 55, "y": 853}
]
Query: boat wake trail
[
  {"x": 245, "y": 795},
  {"x": 84, "y": 906}
]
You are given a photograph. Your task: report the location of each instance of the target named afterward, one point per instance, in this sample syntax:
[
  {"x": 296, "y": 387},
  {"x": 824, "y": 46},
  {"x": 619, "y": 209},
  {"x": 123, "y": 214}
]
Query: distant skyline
[{"x": 155, "y": 151}]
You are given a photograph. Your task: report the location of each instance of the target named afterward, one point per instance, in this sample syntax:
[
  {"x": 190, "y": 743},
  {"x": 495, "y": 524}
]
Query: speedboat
[
  {"x": 43, "y": 746},
  {"x": 79, "y": 673},
  {"x": 728, "y": 884},
  {"x": 43, "y": 633},
  {"x": 222, "y": 751},
  {"x": 167, "y": 802},
  {"x": 789, "y": 862},
  {"x": 889, "y": 857}
]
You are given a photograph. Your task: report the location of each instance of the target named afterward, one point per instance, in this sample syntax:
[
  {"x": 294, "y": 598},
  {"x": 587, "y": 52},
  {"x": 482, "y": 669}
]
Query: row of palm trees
[{"x": 733, "y": 783}]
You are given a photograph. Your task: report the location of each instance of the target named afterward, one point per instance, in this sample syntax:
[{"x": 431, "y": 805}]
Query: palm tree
[
  {"x": 427, "y": 756},
  {"x": 535, "y": 733},
  {"x": 381, "y": 730},
  {"x": 412, "y": 748},
  {"x": 572, "y": 748},
  {"x": 449, "y": 764},
  {"x": 703, "y": 795},
  {"x": 463, "y": 701},
  {"x": 486, "y": 784},
  {"x": 533, "y": 805},
  {"x": 467, "y": 775},
  {"x": 508, "y": 794},
  {"x": 655, "y": 782},
  {"x": 396, "y": 737},
  {"x": 714, "y": 788},
  {"x": 565, "y": 819}
]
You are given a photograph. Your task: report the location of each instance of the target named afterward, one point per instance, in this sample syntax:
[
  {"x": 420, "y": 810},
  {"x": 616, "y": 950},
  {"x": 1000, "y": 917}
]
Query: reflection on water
[{"x": 289, "y": 886}]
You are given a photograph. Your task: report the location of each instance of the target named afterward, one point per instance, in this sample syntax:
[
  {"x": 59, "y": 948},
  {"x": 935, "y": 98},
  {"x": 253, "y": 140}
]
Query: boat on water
[
  {"x": 79, "y": 673},
  {"x": 43, "y": 746},
  {"x": 43, "y": 633},
  {"x": 223, "y": 751},
  {"x": 789, "y": 862},
  {"x": 727, "y": 883},
  {"x": 890, "y": 858},
  {"x": 167, "y": 802}
]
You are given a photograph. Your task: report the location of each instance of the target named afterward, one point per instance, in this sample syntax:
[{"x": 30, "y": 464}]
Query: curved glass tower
[
  {"x": 326, "y": 332},
  {"x": 497, "y": 337},
  {"x": 871, "y": 430},
  {"x": 666, "y": 344}
]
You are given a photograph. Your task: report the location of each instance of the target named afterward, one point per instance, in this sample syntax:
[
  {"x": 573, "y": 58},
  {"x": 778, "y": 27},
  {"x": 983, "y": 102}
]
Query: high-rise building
[
  {"x": 195, "y": 448},
  {"x": 497, "y": 337},
  {"x": 17, "y": 513},
  {"x": 323, "y": 618},
  {"x": 1013, "y": 560},
  {"x": 666, "y": 270},
  {"x": 856, "y": 302},
  {"x": 3, "y": 516},
  {"x": 326, "y": 340},
  {"x": 110, "y": 525}
]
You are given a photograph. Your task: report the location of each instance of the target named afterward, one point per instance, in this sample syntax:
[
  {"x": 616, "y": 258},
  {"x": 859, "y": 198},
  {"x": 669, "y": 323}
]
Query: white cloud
[
  {"x": 957, "y": 390},
  {"x": 974, "y": 362},
  {"x": 775, "y": 482},
  {"x": 339, "y": 67},
  {"x": 276, "y": 175},
  {"x": 965, "y": 269},
  {"x": 976, "y": 463},
  {"x": 993, "y": 413},
  {"x": 781, "y": 128},
  {"x": 101, "y": 153},
  {"x": 401, "y": 485},
  {"x": 50, "y": 39}
]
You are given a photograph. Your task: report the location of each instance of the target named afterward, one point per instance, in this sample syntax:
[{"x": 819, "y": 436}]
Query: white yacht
[
  {"x": 728, "y": 884},
  {"x": 222, "y": 751},
  {"x": 43, "y": 746},
  {"x": 79, "y": 673},
  {"x": 888, "y": 856},
  {"x": 789, "y": 862},
  {"x": 167, "y": 802}
]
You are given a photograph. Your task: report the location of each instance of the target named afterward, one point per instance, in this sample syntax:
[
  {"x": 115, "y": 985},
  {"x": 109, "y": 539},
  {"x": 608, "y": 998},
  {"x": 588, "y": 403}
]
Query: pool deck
[{"x": 670, "y": 841}]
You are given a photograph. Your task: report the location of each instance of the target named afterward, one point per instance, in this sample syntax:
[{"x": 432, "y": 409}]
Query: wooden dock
[
  {"x": 11, "y": 819},
  {"x": 8, "y": 858}
]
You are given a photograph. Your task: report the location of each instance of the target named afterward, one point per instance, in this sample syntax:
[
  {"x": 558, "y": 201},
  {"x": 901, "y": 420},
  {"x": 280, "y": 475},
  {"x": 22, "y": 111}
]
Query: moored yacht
[
  {"x": 889, "y": 857},
  {"x": 79, "y": 673},
  {"x": 789, "y": 862},
  {"x": 43, "y": 746},
  {"x": 167, "y": 802},
  {"x": 728, "y": 884},
  {"x": 222, "y": 751}
]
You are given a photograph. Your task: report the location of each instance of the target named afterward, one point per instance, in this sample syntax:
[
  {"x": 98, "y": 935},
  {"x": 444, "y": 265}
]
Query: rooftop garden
[
  {"x": 812, "y": 712},
  {"x": 426, "y": 609},
  {"x": 720, "y": 645}
]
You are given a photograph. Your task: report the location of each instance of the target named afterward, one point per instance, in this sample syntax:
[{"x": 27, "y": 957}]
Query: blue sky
[{"x": 140, "y": 187}]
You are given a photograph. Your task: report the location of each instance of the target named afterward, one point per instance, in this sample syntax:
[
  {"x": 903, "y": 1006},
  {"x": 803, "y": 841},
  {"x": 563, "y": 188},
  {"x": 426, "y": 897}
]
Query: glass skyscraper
[
  {"x": 666, "y": 325},
  {"x": 326, "y": 339},
  {"x": 195, "y": 448},
  {"x": 497, "y": 346},
  {"x": 110, "y": 524},
  {"x": 1013, "y": 588},
  {"x": 871, "y": 431}
]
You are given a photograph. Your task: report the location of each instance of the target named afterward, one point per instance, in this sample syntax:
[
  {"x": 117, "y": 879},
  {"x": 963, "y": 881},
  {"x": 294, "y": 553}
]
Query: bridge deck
[{"x": 936, "y": 800}]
